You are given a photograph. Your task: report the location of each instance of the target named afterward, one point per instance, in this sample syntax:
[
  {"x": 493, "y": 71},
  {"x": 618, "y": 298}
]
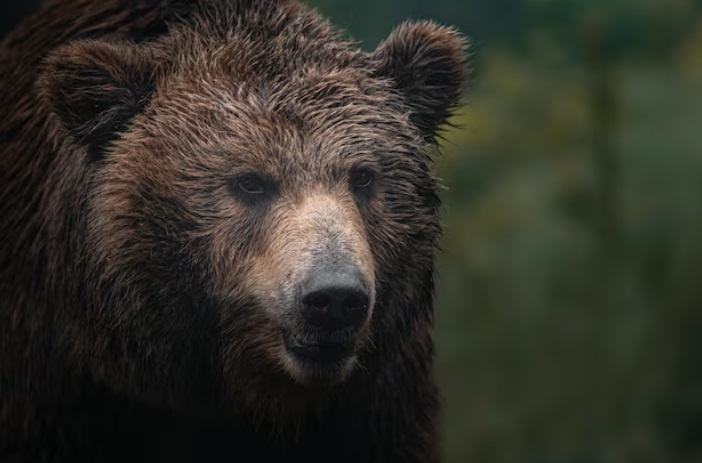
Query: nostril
[
  {"x": 319, "y": 301},
  {"x": 355, "y": 301},
  {"x": 336, "y": 307},
  {"x": 354, "y": 308}
]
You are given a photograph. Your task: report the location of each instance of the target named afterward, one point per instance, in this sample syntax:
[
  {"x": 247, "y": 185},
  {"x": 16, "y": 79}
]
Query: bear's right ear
[{"x": 95, "y": 89}]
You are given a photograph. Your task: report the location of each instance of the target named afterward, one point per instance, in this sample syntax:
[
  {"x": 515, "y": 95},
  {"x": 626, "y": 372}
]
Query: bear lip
[{"x": 319, "y": 350}]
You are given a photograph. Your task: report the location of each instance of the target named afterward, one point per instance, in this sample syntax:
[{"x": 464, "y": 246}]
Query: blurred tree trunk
[{"x": 604, "y": 111}]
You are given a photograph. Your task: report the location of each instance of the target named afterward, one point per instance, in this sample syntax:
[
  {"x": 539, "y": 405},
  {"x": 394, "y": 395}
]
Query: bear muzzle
[{"x": 335, "y": 304}]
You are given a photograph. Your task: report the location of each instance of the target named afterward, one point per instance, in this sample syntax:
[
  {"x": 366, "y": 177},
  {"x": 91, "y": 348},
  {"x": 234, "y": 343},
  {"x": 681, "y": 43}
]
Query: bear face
[{"x": 255, "y": 187}]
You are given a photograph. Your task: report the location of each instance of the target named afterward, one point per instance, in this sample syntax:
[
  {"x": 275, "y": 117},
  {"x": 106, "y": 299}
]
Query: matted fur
[{"x": 141, "y": 301}]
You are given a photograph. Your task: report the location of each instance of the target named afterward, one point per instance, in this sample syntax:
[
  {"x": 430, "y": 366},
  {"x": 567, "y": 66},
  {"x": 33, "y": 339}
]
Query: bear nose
[{"x": 335, "y": 300}]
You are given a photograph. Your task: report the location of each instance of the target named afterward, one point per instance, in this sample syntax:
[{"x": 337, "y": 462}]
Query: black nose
[{"x": 335, "y": 300}]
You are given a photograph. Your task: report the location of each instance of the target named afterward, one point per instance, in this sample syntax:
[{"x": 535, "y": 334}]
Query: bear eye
[
  {"x": 251, "y": 184},
  {"x": 253, "y": 189},
  {"x": 362, "y": 178}
]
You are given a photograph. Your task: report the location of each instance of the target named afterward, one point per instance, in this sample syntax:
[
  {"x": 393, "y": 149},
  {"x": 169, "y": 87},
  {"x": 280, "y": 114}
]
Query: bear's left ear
[
  {"x": 427, "y": 64},
  {"x": 95, "y": 88}
]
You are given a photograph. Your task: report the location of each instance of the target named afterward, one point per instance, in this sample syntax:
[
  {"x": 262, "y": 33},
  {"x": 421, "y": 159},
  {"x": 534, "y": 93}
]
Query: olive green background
[{"x": 569, "y": 321}]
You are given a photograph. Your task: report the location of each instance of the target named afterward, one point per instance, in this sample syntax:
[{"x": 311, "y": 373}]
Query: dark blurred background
[{"x": 569, "y": 326}]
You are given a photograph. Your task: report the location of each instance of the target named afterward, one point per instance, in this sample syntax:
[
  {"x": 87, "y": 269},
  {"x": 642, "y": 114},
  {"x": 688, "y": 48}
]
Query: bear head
[{"x": 258, "y": 199}]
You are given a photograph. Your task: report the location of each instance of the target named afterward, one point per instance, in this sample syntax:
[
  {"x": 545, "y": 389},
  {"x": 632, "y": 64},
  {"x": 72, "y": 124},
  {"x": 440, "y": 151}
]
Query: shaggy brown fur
[{"x": 144, "y": 287}]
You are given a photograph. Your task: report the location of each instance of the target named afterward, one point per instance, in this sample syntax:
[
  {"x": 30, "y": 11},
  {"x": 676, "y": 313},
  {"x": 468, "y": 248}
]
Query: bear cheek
[{"x": 233, "y": 258}]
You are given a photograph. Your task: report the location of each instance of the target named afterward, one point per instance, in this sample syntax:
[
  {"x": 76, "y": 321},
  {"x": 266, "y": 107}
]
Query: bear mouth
[
  {"x": 318, "y": 359},
  {"x": 319, "y": 350}
]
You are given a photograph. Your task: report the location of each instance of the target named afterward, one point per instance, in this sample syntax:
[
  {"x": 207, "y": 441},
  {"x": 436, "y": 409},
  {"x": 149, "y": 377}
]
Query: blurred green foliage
[{"x": 570, "y": 288}]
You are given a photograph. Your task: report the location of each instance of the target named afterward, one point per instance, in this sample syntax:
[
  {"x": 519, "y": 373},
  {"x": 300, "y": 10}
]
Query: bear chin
[{"x": 318, "y": 361}]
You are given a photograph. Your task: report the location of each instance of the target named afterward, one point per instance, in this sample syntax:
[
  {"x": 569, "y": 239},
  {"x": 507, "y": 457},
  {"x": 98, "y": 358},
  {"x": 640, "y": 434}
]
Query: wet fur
[{"x": 128, "y": 326}]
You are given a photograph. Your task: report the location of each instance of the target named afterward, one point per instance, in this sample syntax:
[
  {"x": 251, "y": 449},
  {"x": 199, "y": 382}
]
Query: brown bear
[{"x": 217, "y": 228}]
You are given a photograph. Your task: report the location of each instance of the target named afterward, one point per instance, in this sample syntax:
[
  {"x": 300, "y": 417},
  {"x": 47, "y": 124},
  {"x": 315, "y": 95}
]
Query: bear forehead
[
  {"x": 280, "y": 67},
  {"x": 310, "y": 112},
  {"x": 277, "y": 126},
  {"x": 271, "y": 75},
  {"x": 284, "y": 51}
]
